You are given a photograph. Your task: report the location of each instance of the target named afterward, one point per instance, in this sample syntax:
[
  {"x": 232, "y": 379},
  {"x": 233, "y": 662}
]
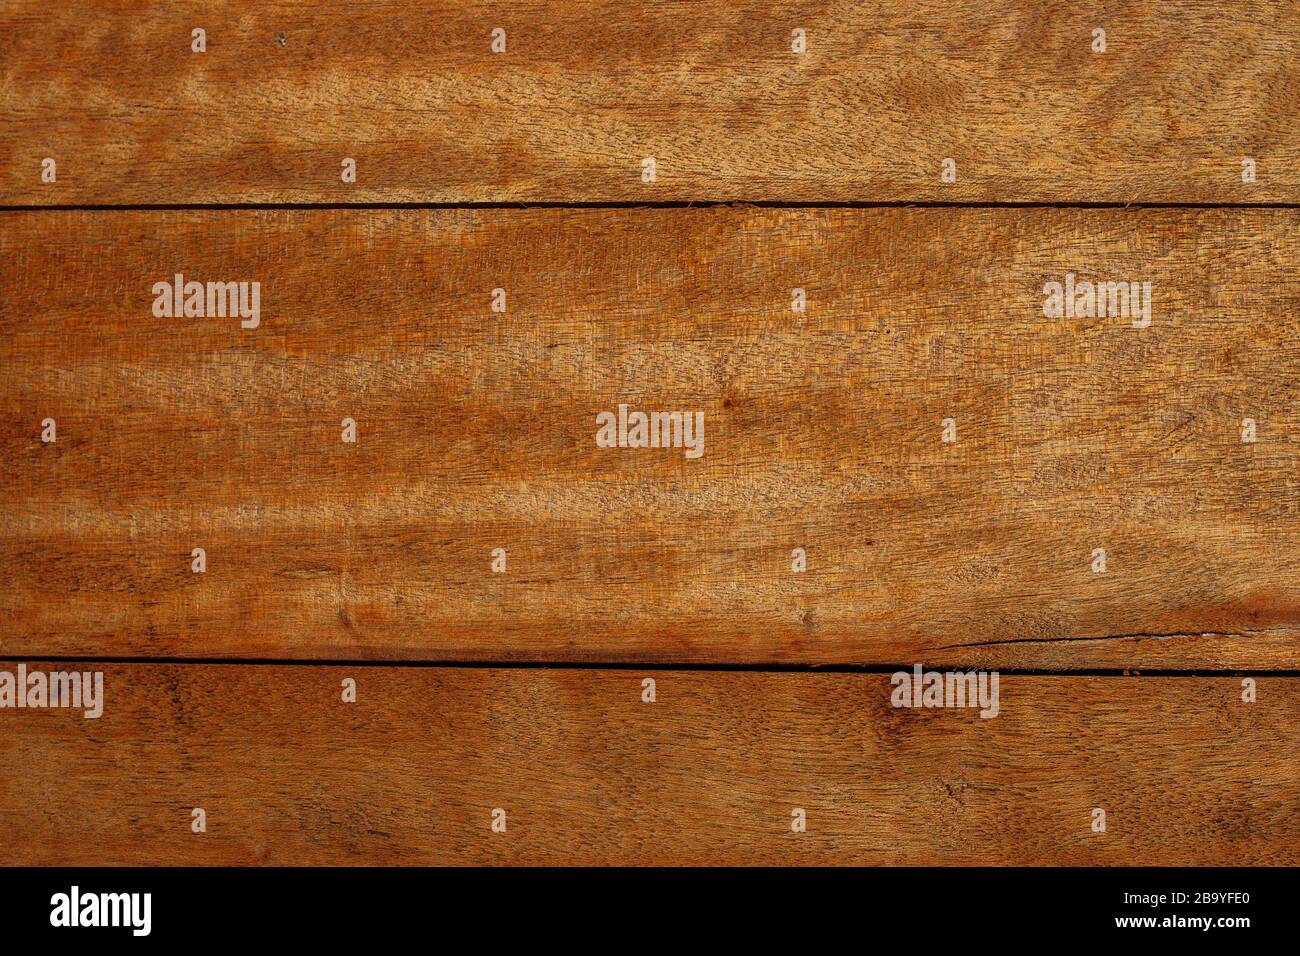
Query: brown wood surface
[
  {"x": 588, "y": 773},
  {"x": 477, "y": 431},
  {"x": 1012, "y": 91},
  {"x": 329, "y": 561}
]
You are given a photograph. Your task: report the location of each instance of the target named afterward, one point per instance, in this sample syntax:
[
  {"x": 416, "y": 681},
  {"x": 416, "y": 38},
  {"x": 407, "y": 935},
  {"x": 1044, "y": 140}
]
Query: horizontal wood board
[
  {"x": 584, "y": 92},
  {"x": 477, "y": 430},
  {"x": 586, "y": 772}
]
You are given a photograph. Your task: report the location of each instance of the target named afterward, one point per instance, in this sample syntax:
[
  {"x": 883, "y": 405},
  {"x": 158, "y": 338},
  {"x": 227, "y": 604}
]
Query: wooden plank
[
  {"x": 587, "y": 772},
  {"x": 584, "y": 92},
  {"x": 478, "y": 430}
]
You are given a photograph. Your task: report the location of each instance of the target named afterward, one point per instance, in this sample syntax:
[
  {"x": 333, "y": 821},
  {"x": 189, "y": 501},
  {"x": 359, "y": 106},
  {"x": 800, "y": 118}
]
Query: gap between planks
[{"x": 645, "y": 666}]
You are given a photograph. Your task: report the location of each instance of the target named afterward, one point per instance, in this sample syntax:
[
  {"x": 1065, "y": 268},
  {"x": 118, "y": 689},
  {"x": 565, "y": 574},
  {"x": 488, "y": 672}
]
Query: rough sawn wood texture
[
  {"x": 477, "y": 430},
  {"x": 1012, "y": 92},
  {"x": 587, "y": 772}
]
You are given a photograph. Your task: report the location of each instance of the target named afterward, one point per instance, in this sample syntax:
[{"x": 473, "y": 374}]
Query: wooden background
[
  {"x": 476, "y": 430},
  {"x": 709, "y": 773},
  {"x": 522, "y": 171},
  {"x": 586, "y": 90}
]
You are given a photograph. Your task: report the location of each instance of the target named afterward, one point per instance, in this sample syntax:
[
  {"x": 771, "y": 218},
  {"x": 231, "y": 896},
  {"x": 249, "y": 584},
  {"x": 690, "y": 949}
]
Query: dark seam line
[
  {"x": 651, "y": 666},
  {"x": 668, "y": 204}
]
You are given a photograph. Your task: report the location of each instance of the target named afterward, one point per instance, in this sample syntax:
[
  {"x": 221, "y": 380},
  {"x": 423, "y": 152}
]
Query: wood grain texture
[
  {"x": 885, "y": 92},
  {"x": 587, "y": 773},
  {"x": 477, "y": 431}
]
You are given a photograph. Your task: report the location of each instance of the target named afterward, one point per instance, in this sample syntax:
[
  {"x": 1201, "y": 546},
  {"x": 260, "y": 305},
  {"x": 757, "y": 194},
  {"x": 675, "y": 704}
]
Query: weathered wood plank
[
  {"x": 823, "y": 431},
  {"x": 586, "y": 772},
  {"x": 584, "y": 92}
]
